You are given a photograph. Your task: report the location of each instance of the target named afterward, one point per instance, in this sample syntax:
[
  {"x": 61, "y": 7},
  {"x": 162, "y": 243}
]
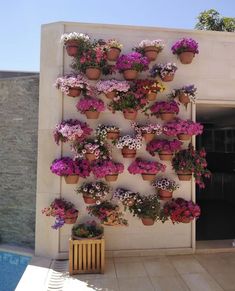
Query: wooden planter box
[{"x": 86, "y": 256}]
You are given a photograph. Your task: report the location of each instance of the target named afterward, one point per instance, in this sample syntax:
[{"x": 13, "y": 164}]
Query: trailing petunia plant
[
  {"x": 132, "y": 61},
  {"x": 180, "y": 126},
  {"x": 163, "y": 70},
  {"x": 190, "y": 91},
  {"x": 140, "y": 166},
  {"x": 77, "y": 36},
  {"x": 156, "y": 43},
  {"x": 185, "y": 45},
  {"x": 107, "y": 86},
  {"x": 163, "y": 107},
  {"x": 90, "y": 104},
  {"x": 164, "y": 183},
  {"x": 103, "y": 130},
  {"x": 129, "y": 142},
  {"x": 159, "y": 145},
  {"x": 147, "y": 86},
  {"x": 102, "y": 168},
  {"x": 125, "y": 196},
  {"x": 98, "y": 190},
  {"x": 147, "y": 128}
]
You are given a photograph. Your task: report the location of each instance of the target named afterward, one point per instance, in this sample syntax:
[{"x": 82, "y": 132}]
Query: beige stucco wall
[{"x": 213, "y": 73}]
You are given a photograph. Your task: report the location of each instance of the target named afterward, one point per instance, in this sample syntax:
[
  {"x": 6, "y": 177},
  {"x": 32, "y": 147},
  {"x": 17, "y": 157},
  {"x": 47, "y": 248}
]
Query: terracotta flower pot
[
  {"x": 88, "y": 199},
  {"x": 183, "y": 98},
  {"x": 71, "y": 179},
  {"x": 148, "y": 136},
  {"x": 151, "y": 96},
  {"x": 148, "y": 177},
  {"x": 165, "y": 156},
  {"x": 71, "y": 218},
  {"x": 90, "y": 157},
  {"x": 130, "y": 74},
  {"x": 128, "y": 153},
  {"x": 184, "y": 175},
  {"x": 74, "y": 92},
  {"x": 111, "y": 95},
  {"x": 92, "y": 114},
  {"x": 72, "y": 47},
  {"x": 130, "y": 114},
  {"x": 113, "y": 54},
  {"x": 113, "y": 135},
  {"x": 167, "y": 116},
  {"x": 147, "y": 221},
  {"x": 186, "y": 57},
  {"x": 164, "y": 194},
  {"x": 151, "y": 53},
  {"x": 168, "y": 78},
  {"x": 111, "y": 178},
  {"x": 93, "y": 73},
  {"x": 183, "y": 136}
]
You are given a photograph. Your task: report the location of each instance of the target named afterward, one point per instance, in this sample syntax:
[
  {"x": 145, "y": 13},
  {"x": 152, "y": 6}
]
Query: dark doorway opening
[{"x": 217, "y": 200}]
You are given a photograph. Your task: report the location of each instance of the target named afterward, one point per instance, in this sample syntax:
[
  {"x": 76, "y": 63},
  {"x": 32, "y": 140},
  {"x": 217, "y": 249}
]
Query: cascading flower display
[
  {"x": 164, "y": 107},
  {"x": 107, "y": 86},
  {"x": 189, "y": 90},
  {"x": 158, "y": 145},
  {"x": 180, "y": 126},
  {"x": 185, "y": 45},
  {"x": 132, "y": 61},
  {"x": 65, "y": 83},
  {"x": 130, "y": 142},
  {"x": 140, "y": 166},
  {"x": 90, "y": 104},
  {"x": 102, "y": 168}
]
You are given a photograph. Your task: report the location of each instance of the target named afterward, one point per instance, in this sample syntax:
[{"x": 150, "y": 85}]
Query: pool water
[{"x": 12, "y": 267}]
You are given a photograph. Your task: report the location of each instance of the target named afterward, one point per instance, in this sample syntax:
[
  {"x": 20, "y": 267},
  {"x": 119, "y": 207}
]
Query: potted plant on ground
[
  {"x": 93, "y": 192},
  {"x": 165, "y": 71},
  {"x": 74, "y": 42},
  {"x": 180, "y": 210},
  {"x": 129, "y": 145},
  {"x": 63, "y": 211},
  {"x": 87, "y": 230},
  {"x": 148, "y": 130},
  {"x": 114, "y": 48},
  {"x": 72, "y": 84},
  {"x": 107, "y": 169},
  {"x": 147, "y": 169},
  {"x": 185, "y": 48},
  {"x": 165, "y": 148},
  {"x": 165, "y": 187},
  {"x": 91, "y": 107},
  {"x": 126, "y": 197},
  {"x": 183, "y": 129},
  {"x": 112, "y": 87},
  {"x": 70, "y": 169},
  {"x": 147, "y": 87},
  {"x": 72, "y": 130},
  {"x": 107, "y": 131},
  {"x": 107, "y": 213},
  {"x": 185, "y": 94},
  {"x": 165, "y": 109},
  {"x": 150, "y": 48},
  {"x": 189, "y": 161},
  {"x": 131, "y": 64}
]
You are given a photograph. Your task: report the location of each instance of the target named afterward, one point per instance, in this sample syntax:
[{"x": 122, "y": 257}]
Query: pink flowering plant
[
  {"x": 189, "y": 90},
  {"x": 96, "y": 190},
  {"x": 102, "y": 130},
  {"x": 140, "y": 166},
  {"x": 102, "y": 168},
  {"x": 107, "y": 86},
  {"x": 164, "y": 183},
  {"x": 158, "y": 145},
  {"x": 194, "y": 161},
  {"x": 180, "y": 126},
  {"x": 132, "y": 61},
  {"x": 90, "y": 104},
  {"x": 163, "y": 70},
  {"x": 129, "y": 142},
  {"x": 185, "y": 45},
  {"x": 60, "y": 209},
  {"x": 181, "y": 210},
  {"x": 147, "y": 128},
  {"x": 67, "y": 166},
  {"x": 163, "y": 107},
  {"x": 71, "y": 130},
  {"x": 66, "y": 82}
]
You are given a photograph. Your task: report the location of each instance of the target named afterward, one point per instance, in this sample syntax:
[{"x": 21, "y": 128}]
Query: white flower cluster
[
  {"x": 165, "y": 184},
  {"x": 74, "y": 36},
  {"x": 124, "y": 194},
  {"x": 130, "y": 142},
  {"x": 147, "y": 128},
  {"x": 102, "y": 130},
  {"x": 158, "y": 43}
]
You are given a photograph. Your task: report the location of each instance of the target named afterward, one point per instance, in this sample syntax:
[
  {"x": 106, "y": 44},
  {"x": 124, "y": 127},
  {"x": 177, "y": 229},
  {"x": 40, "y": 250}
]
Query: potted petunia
[
  {"x": 70, "y": 169},
  {"x": 165, "y": 148},
  {"x": 72, "y": 130},
  {"x": 74, "y": 41},
  {"x": 129, "y": 145},
  {"x": 111, "y": 132},
  {"x": 87, "y": 230},
  {"x": 107, "y": 169},
  {"x": 91, "y": 107},
  {"x": 131, "y": 64},
  {"x": 147, "y": 169},
  {"x": 72, "y": 84},
  {"x": 185, "y": 94},
  {"x": 185, "y": 48},
  {"x": 112, "y": 87},
  {"x": 147, "y": 87},
  {"x": 183, "y": 129},
  {"x": 114, "y": 48},
  {"x": 150, "y": 48},
  {"x": 108, "y": 214},
  {"x": 148, "y": 130},
  {"x": 93, "y": 192},
  {"x": 165, "y": 188},
  {"x": 126, "y": 197},
  {"x": 63, "y": 211},
  {"x": 165, "y": 109},
  {"x": 180, "y": 210},
  {"x": 165, "y": 71},
  {"x": 190, "y": 161}
]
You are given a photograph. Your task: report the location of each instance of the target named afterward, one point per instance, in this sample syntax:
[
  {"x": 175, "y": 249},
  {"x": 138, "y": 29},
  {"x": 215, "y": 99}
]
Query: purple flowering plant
[
  {"x": 66, "y": 82},
  {"x": 107, "y": 86},
  {"x": 102, "y": 168},
  {"x": 140, "y": 166},
  {"x": 163, "y": 70},
  {"x": 185, "y": 45},
  {"x": 180, "y": 126},
  {"x": 189, "y": 90},
  {"x": 90, "y": 104},
  {"x": 158, "y": 145},
  {"x": 132, "y": 61}
]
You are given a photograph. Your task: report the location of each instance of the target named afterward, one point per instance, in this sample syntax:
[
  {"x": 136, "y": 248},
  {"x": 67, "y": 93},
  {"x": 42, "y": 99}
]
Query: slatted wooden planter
[{"x": 86, "y": 256}]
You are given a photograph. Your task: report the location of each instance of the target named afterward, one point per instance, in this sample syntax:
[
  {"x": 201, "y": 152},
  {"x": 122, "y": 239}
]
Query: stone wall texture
[{"x": 18, "y": 162}]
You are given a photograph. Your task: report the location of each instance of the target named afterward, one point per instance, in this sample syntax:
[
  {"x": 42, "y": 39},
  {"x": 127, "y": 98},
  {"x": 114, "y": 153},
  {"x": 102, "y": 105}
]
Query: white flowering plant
[
  {"x": 113, "y": 43},
  {"x": 102, "y": 130},
  {"x": 129, "y": 142},
  {"x": 74, "y": 36},
  {"x": 157, "y": 43},
  {"x": 125, "y": 196},
  {"x": 96, "y": 190},
  {"x": 164, "y": 183},
  {"x": 107, "y": 86},
  {"x": 147, "y": 128}
]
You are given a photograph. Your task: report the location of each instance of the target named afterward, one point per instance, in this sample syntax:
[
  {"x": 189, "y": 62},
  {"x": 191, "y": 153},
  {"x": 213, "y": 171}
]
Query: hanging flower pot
[
  {"x": 148, "y": 136},
  {"x": 186, "y": 57},
  {"x": 168, "y": 78},
  {"x": 148, "y": 177},
  {"x": 70, "y": 218},
  {"x": 130, "y": 74},
  {"x": 130, "y": 114},
  {"x": 74, "y": 92},
  {"x": 90, "y": 156},
  {"x": 88, "y": 199},
  {"x": 71, "y": 179},
  {"x": 147, "y": 221},
  {"x": 111, "y": 177},
  {"x": 111, "y": 95},
  {"x": 72, "y": 47},
  {"x": 165, "y": 156},
  {"x": 113, "y": 54},
  {"x": 92, "y": 114},
  {"x": 151, "y": 53},
  {"x": 128, "y": 153},
  {"x": 165, "y": 194},
  {"x": 151, "y": 96},
  {"x": 183, "y": 136},
  {"x": 113, "y": 135},
  {"x": 93, "y": 73},
  {"x": 184, "y": 175},
  {"x": 167, "y": 116}
]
